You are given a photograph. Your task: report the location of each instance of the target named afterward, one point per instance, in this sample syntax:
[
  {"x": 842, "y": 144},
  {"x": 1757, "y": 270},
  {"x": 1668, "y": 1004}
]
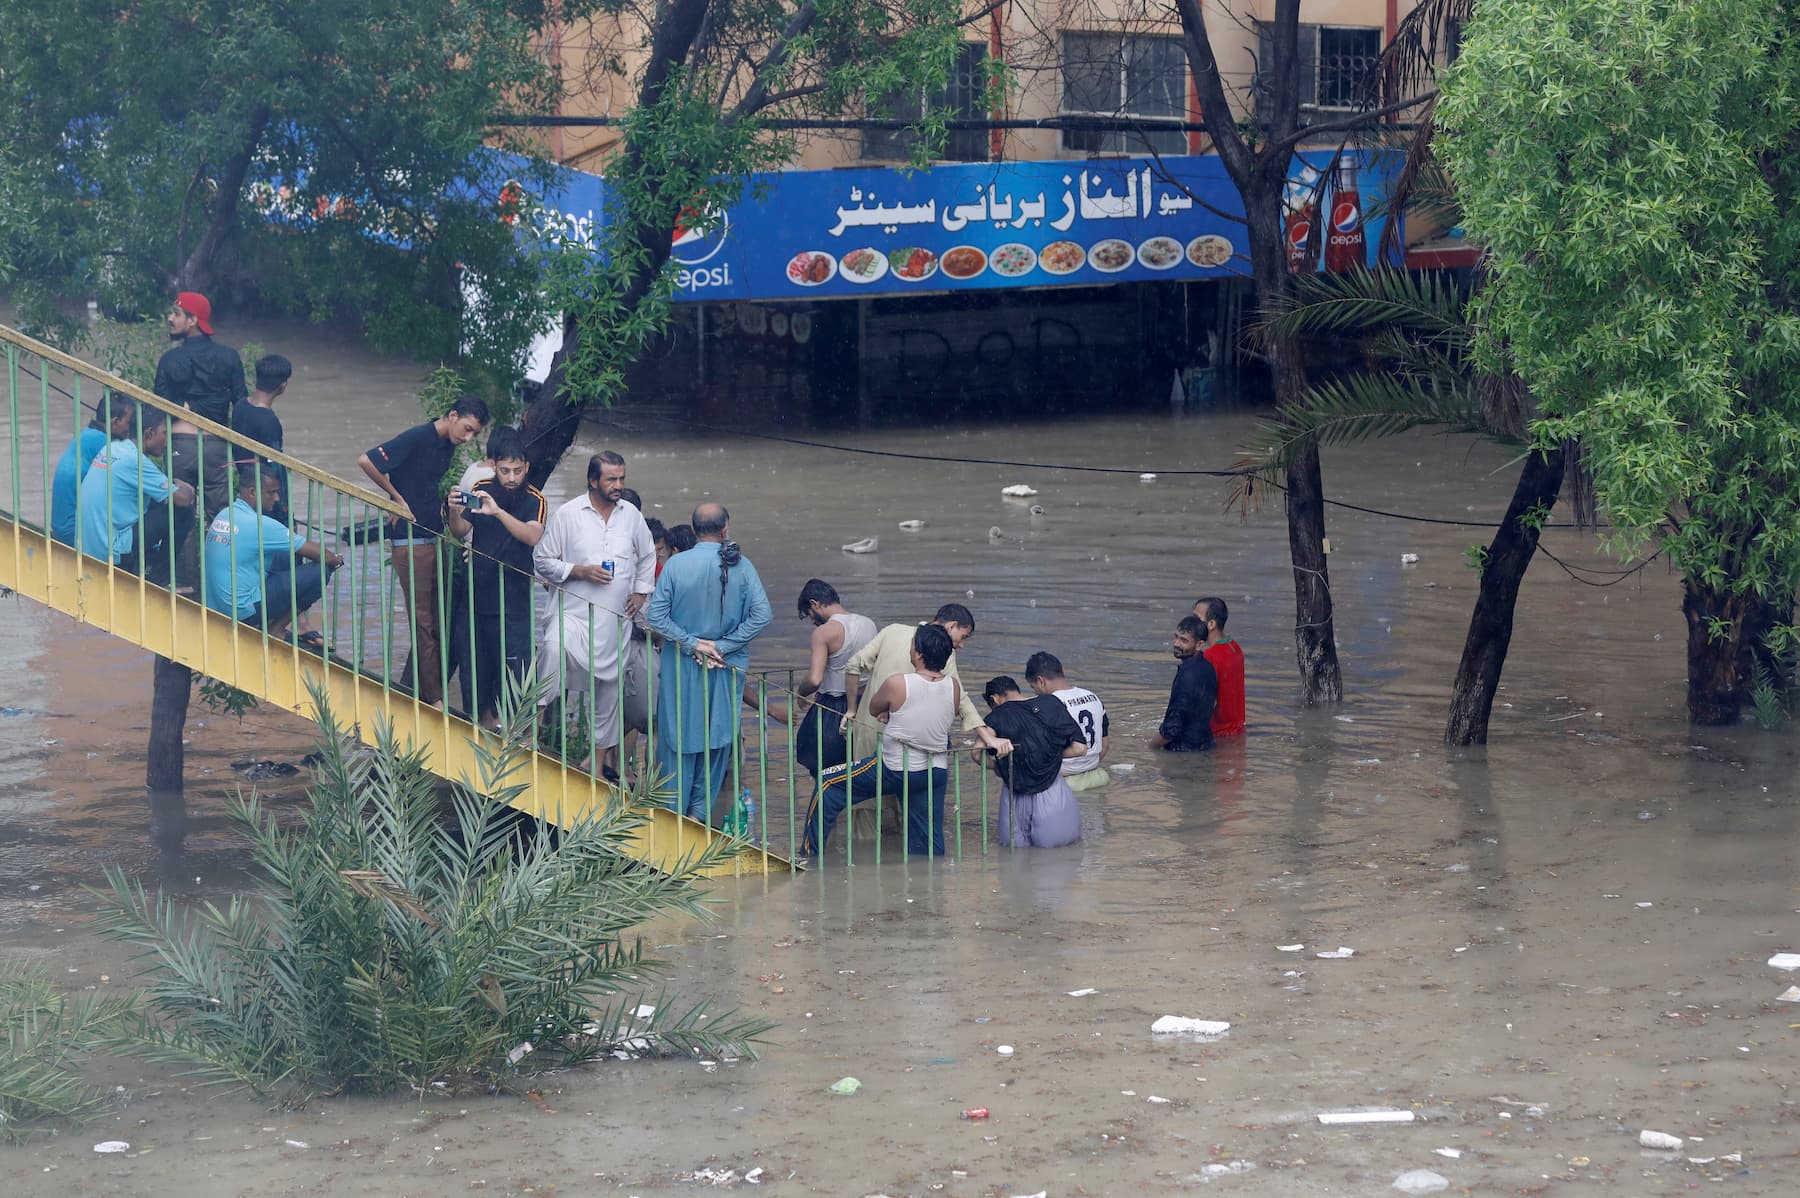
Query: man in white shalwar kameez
[{"x": 597, "y": 554}]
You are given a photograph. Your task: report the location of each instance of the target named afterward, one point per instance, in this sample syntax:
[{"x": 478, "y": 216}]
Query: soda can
[
  {"x": 975, "y": 1112},
  {"x": 607, "y": 566}
]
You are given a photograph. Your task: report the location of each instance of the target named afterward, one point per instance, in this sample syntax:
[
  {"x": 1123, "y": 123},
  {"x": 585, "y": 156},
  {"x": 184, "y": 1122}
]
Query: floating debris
[
  {"x": 1374, "y": 1116},
  {"x": 866, "y": 545},
  {"x": 1018, "y": 491},
  {"x": 912, "y": 525},
  {"x": 1182, "y": 1025},
  {"x": 1421, "y": 1181}
]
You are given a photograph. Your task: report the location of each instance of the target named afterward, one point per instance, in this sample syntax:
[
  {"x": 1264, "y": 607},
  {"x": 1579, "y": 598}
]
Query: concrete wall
[{"x": 1030, "y": 37}]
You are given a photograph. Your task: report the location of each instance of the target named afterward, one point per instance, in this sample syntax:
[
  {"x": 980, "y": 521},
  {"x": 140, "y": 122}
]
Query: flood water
[{"x": 1559, "y": 940}]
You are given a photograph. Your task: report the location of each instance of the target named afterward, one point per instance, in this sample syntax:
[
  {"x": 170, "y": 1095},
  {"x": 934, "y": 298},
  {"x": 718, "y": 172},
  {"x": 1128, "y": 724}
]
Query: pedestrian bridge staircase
[{"x": 50, "y": 397}]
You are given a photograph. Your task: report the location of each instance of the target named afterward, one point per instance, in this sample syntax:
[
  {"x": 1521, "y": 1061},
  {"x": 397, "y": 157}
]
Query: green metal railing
[{"x": 322, "y": 531}]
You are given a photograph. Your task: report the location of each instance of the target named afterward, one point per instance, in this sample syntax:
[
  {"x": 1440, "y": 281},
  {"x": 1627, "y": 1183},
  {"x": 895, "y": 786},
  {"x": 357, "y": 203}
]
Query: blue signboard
[{"x": 859, "y": 232}]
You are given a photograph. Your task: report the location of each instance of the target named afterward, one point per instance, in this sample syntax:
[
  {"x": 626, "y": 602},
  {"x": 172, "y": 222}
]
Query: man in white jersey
[{"x": 1044, "y": 674}]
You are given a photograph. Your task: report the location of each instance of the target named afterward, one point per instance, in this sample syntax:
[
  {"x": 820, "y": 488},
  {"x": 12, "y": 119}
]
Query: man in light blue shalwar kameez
[{"x": 709, "y": 603}]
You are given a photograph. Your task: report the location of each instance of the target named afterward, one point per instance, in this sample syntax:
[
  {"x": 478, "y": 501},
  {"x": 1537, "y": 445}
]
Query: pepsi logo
[
  {"x": 1345, "y": 215},
  {"x": 1299, "y": 233},
  {"x": 696, "y": 240}
]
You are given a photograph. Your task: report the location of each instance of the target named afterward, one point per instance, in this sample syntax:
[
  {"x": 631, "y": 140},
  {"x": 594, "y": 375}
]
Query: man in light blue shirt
[
  {"x": 708, "y": 605},
  {"x": 251, "y": 574},
  {"x": 112, "y": 422},
  {"x": 120, "y": 483}
]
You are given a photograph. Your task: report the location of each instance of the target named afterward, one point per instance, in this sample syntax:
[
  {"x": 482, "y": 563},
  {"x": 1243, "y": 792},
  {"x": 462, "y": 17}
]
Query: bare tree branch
[
  {"x": 1348, "y": 124},
  {"x": 756, "y": 97}
]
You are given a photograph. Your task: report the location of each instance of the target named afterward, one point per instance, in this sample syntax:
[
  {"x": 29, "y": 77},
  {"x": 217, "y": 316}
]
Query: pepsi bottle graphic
[
  {"x": 1344, "y": 246},
  {"x": 1300, "y": 212}
]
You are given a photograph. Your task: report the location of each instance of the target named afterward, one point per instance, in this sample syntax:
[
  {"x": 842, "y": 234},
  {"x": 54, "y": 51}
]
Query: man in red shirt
[{"x": 1227, "y": 660}]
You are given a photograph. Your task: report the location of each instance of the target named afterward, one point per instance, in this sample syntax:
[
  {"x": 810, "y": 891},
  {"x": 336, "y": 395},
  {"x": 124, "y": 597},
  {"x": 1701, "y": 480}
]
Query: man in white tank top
[
  {"x": 917, "y": 710},
  {"x": 1044, "y": 674},
  {"x": 837, "y": 637}
]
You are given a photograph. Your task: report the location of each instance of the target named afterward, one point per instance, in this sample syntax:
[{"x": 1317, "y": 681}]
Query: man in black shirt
[
  {"x": 207, "y": 378},
  {"x": 410, "y": 468},
  {"x": 1187, "y": 724},
  {"x": 502, "y": 519},
  {"x": 256, "y": 420},
  {"x": 1037, "y": 808}
]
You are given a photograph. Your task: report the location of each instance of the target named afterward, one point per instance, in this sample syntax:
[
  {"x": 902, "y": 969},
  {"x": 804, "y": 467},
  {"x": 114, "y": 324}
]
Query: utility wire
[
  {"x": 1135, "y": 471},
  {"x": 1616, "y": 576}
]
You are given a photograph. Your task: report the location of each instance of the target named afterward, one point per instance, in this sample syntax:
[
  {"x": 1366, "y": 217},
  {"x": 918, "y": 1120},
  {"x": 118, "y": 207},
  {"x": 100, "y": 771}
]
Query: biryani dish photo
[
  {"x": 1159, "y": 253},
  {"x": 1012, "y": 260},
  {"x": 1209, "y": 250},
  {"x": 1061, "y": 257},
  {"x": 1111, "y": 255}
]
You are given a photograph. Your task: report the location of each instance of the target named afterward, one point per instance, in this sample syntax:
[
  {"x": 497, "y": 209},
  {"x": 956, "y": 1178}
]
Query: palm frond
[
  {"x": 1360, "y": 407},
  {"x": 392, "y": 946},
  {"x": 1363, "y": 300},
  {"x": 44, "y": 1037},
  {"x": 1419, "y": 49}
]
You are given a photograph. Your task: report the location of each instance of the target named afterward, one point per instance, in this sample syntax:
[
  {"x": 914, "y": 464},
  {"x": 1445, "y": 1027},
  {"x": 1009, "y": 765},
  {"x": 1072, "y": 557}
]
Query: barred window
[
  {"x": 963, "y": 97},
  {"x": 1335, "y": 62},
  {"x": 1124, "y": 78}
]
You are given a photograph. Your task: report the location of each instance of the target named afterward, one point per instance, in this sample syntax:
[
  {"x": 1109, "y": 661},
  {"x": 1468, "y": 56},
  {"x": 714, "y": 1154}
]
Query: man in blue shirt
[
  {"x": 708, "y": 605},
  {"x": 123, "y": 479},
  {"x": 1187, "y": 724},
  {"x": 112, "y": 422},
  {"x": 250, "y": 567}
]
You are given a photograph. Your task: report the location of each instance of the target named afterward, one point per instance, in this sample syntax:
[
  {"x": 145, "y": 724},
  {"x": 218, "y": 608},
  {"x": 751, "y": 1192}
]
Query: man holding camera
[{"x": 502, "y": 520}]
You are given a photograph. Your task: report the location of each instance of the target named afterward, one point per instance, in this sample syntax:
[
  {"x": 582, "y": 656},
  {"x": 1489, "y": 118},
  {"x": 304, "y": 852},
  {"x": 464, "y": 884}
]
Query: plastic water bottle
[
  {"x": 742, "y": 820},
  {"x": 746, "y": 812}
]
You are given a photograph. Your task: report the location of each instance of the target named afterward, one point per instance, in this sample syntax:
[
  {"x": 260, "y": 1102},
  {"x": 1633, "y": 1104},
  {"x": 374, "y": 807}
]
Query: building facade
[{"x": 1100, "y": 83}]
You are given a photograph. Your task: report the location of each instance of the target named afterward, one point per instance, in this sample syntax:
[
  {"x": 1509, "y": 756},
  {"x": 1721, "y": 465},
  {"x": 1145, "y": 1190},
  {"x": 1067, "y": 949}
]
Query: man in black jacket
[
  {"x": 1187, "y": 724},
  {"x": 205, "y": 377},
  {"x": 1037, "y": 808}
]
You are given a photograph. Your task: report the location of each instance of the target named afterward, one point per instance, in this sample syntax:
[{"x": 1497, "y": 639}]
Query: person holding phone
[{"x": 502, "y": 520}]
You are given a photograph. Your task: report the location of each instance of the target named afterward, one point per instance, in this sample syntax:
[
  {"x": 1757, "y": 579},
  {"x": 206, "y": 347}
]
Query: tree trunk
[
  {"x": 1490, "y": 627},
  {"x": 196, "y": 273},
  {"x": 172, "y": 686},
  {"x": 1715, "y": 690},
  {"x": 553, "y": 417},
  {"x": 1315, "y": 640}
]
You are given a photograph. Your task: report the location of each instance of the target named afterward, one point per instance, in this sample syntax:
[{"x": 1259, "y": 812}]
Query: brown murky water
[{"x": 1559, "y": 941}]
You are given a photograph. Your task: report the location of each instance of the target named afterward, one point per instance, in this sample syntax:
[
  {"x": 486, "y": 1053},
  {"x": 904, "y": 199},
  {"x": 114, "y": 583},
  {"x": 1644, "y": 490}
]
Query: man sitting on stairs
[{"x": 250, "y": 563}]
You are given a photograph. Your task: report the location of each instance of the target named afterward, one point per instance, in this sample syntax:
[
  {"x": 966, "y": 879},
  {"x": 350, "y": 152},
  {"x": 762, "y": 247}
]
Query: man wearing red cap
[{"x": 207, "y": 378}]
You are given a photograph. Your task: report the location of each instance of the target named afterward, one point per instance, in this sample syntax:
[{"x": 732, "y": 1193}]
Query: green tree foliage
[
  {"x": 1632, "y": 169},
  {"x": 150, "y": 143},
  {"x": 709, "y": 77},
  {"x": 392, "y": 947}
]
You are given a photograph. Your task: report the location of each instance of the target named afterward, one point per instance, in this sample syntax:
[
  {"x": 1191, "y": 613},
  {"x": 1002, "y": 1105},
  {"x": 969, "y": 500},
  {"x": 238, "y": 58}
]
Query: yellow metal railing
[{"x": 119, "y": 555}]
